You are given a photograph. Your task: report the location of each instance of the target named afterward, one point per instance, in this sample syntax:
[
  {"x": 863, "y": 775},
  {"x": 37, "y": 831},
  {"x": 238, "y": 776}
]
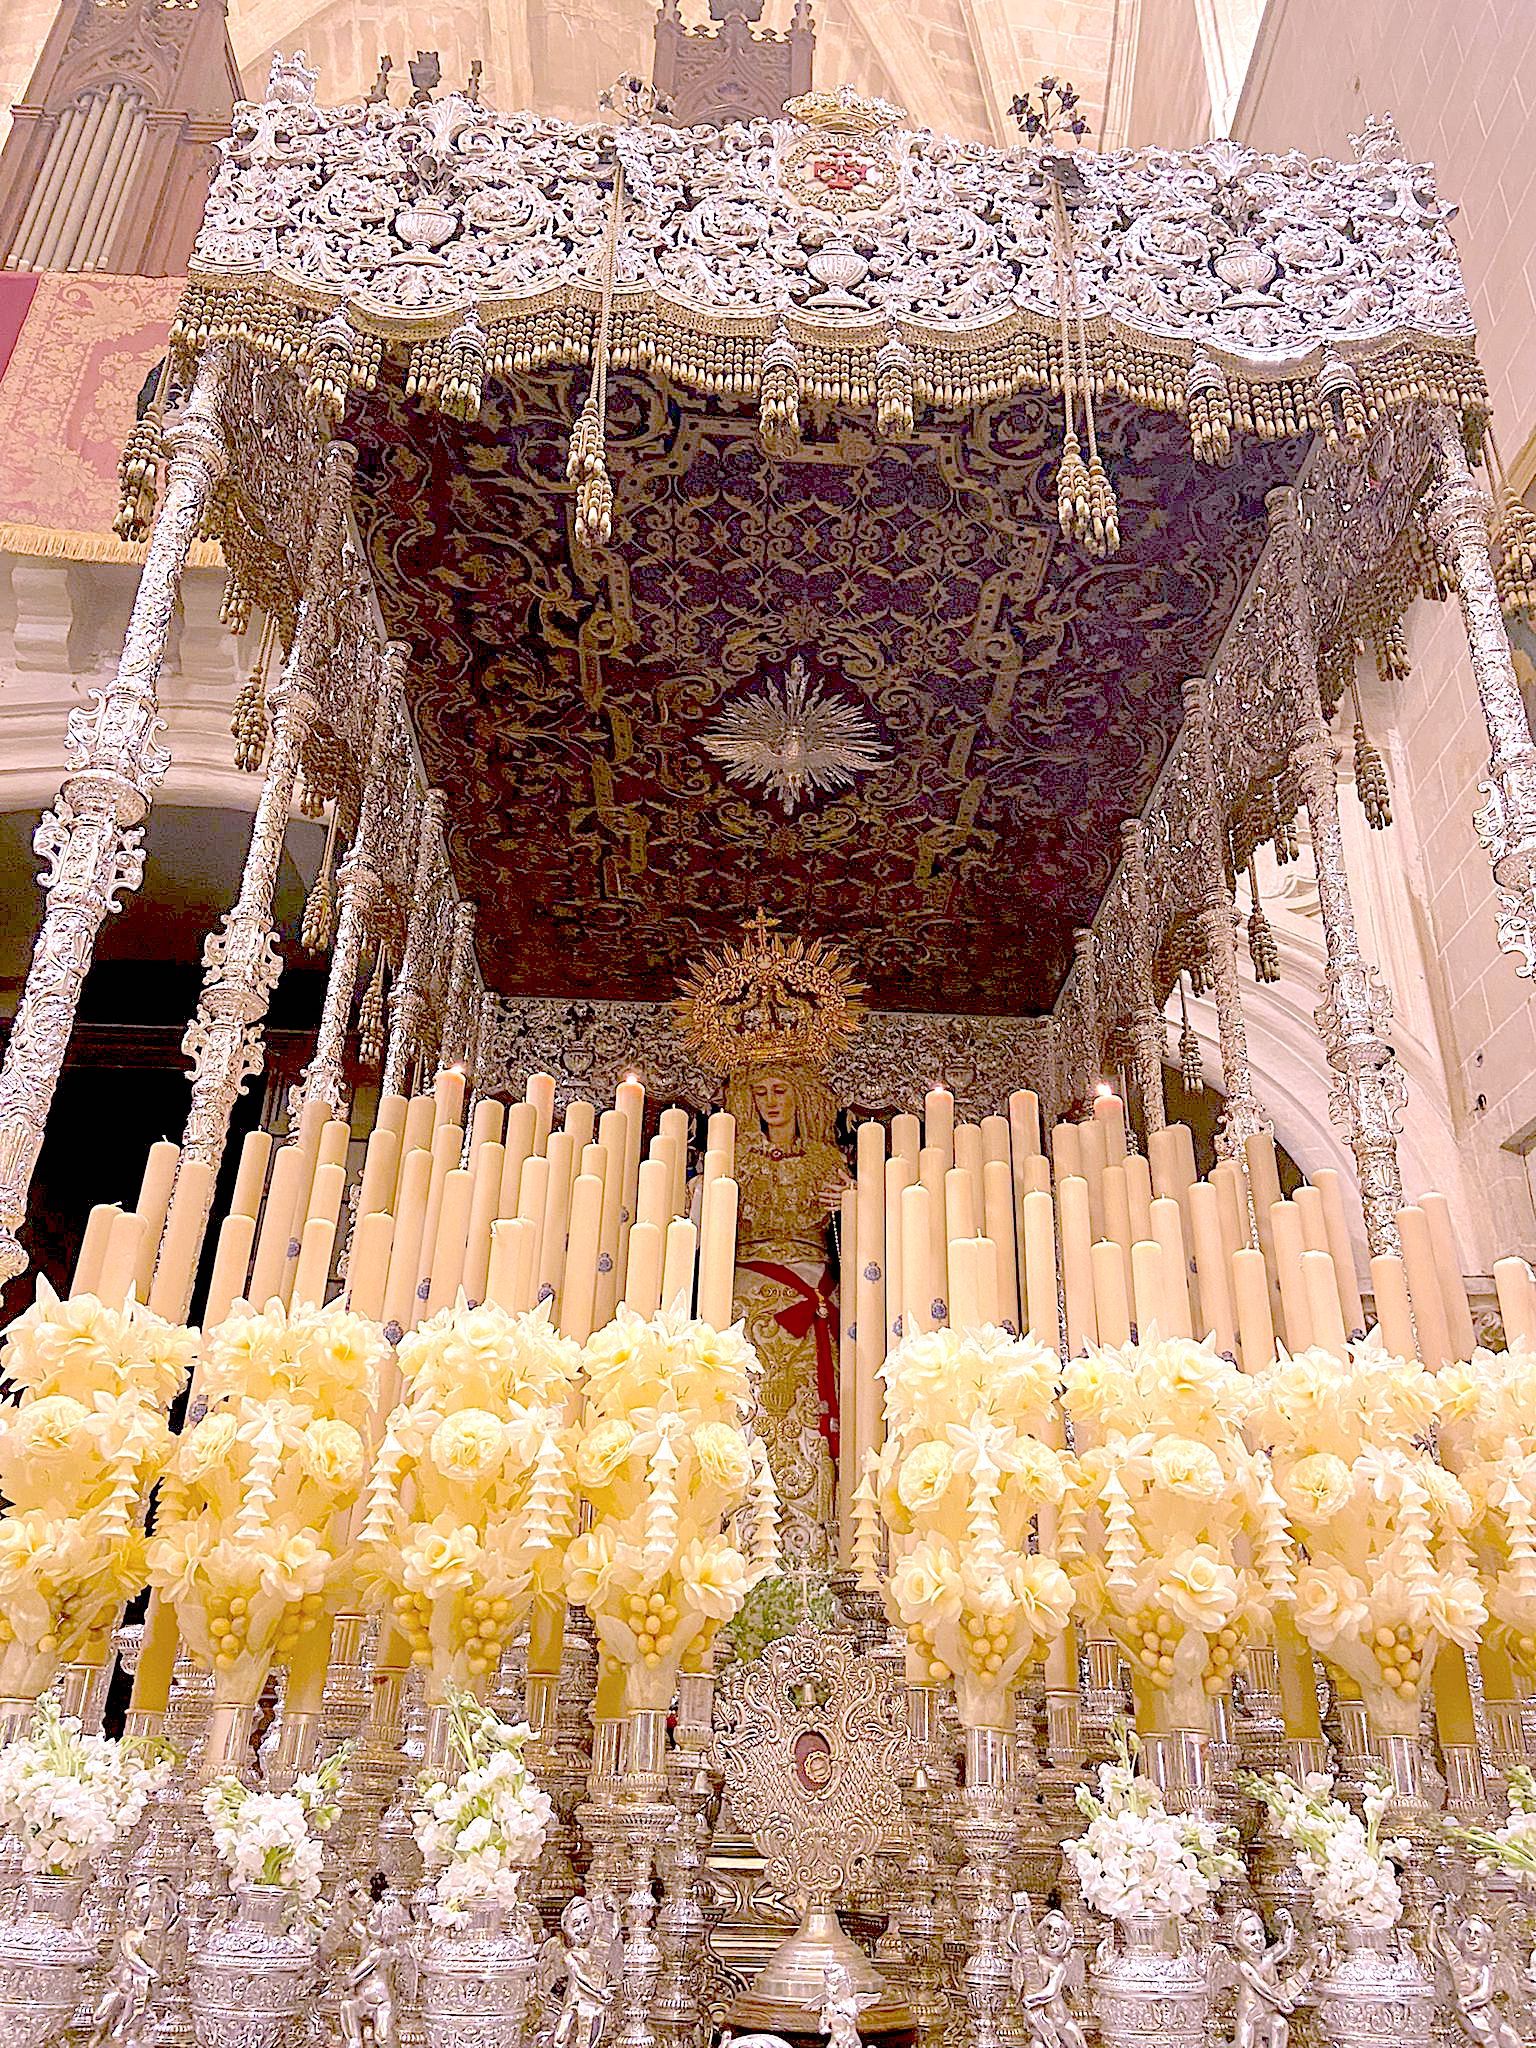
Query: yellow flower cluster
[
  {"x": 1487, "y": 1430},
  {"x": 664, "y": 1461},
  {"x": 470, "y": 1506},
  {"x": 967, "y": 1467},
  {"x": 79, "y": 1452},
  {"x": 250, "y": 1522},
  {"x": 1174, "y": 1537},
  {"x": 1388, "y": 1573}
]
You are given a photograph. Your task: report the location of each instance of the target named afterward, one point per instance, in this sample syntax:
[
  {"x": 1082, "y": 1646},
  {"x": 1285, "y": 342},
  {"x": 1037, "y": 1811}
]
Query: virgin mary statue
[{"x": 769, "y": 1013}]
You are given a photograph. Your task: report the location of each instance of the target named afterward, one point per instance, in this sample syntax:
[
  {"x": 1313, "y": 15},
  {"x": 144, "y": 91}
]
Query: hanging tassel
[
  {"x": 320, "y": 904},
  {"x": 330, "y": 358},
  {"x": 1434, "y": 577},
  {"x": 464, "y": 370},
  {"x": 235, "y": 605},
  {"x": 308, "y": 798},
  {"x": 248, "y": 722},
  {"x": 778, "y": 406},
  {"x": 1513, "y": 545},
  {"x": 894, "y": 409},
  {"x": 1262, "y": 950},
  {"x": 1391, "y": 648},
  {"x": 138, "y": 466},
  {"x": 587, "y": 469},
  {"x": 1191, "y": 1066},
  {"x": 1371, "y": 785},
  {"x": 1287, "y": 844},
  {"x": 1073, "y": 512},
  {"x": 370, "y": 1016},
  {"x": 1210, "y": 410},
  {"x": 1341, "y": 401}
]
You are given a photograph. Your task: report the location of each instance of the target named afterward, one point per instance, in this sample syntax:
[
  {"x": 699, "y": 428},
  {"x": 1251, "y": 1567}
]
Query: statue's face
[
  {"x": 1477, "y": 1939},
  {"x": 1249, "y": 1933},
  {"x": 774, "y": 1101}
]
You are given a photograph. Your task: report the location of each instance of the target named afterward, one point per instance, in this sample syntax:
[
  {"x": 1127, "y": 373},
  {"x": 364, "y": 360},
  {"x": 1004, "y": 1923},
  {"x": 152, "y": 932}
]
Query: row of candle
[{"x": 513, "y": 1210}]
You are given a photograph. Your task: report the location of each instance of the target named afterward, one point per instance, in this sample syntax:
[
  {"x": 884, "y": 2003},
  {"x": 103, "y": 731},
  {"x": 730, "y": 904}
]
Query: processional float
[{"x": 1126, "y": 1472}]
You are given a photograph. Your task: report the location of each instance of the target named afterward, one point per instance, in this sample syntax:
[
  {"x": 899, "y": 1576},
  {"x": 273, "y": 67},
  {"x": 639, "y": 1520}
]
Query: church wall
[{"x": 1461, "y": 81}]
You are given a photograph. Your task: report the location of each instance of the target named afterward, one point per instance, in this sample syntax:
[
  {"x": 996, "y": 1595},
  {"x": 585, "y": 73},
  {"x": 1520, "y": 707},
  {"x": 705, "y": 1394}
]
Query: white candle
[
  {"x": 578, "y": 1286},
  {"x": 1429, "y": 1316},
  {"x": 1516, "y": 1289},
  {"x": 1394, "y": 1321},
  {"x": 916, "y": 1260},
  {"x": 1314, "y": 1224},
  {"x": 251, "y": 1175},
  {"x": 1327, "y": 1316},
  {"x": 959, "y": 1204},
  {"x": 629, "y": 1099},
  {"x": 277, "y": 1217},
  {"x": 170, "y": 1293},
  {"x": 489, "y": 1164},
  {"x": 988, "y": 1285},
  {"x": 717, "y": 1254},
  {"x": 1091, "y": 1154},
  {"x": 642, "y": 1279},
  {"x": 1286, "y": 1240},
  {"x": 1150, "y": 1290},
  {"x": 557, "y": 1209},
  {"x": 664, "y": 1154},
  {"x": 1231, "y": 1185},
  {"x": 654, "y": 1194},
  {"x": 997, "y": 1212},
  {"x": 1138, "y": 1194},
  {"x": 1264, "y": 1181},
  {"x": 368, "y": 1264},
  {"x": 1255, "y": 1325},
  {"x": 120, "y": 1262},
  {"x": 532, "y": 1200},
  {"x": 541, "y": 1093},
  {"x": 870, "y": 1327},
  {"x": 613, "y": 1139},
  {"x": 939, "y": 1123},
  {"x": 720, "y": 1136},
  {"x": 930, "y": 1172},
  {"x": 900, "y": 1174},
  {"x": 93, "y": 1248},
  {"x": 486, "y": 1125},
  {"x": 390, "y": 1114},
  {"x": 580, "y": 1128},
  {"x": 1341, "y": 1247},
  {"x": 1037, "y": 1175},
  {"x": 519, "y": 1146},
  {"x": 1076, "y": 1224},
  {"x": 1040, "y": 1268},
  {"x": 907, "y": 1140},
  {"x": 381, "y": 1170},
  {"x": 447, "y": 1149},
  {"x": 154, "y": 1200},
  {"x": 965, "y": 1283},
  {"x": 676, "y": 1128},
  {"x": 1109, "y": 1113},
  {"x": 420, "y": 1122},
  {"x": 1111, "y": 1307},
  {"x": 847, "y": 1368},
  {"x": 1024, "y": 1123},
  {"x": 313, "y": 1267},
  {"x": 1453, "y": 1288},
  {"x": 1066, "y": 1152},
  {"x": 512, "y": 1241},
  {"x": 448, "y": 1096},
  {"x": 405, "y": 1251},
  {"x": 1168, "y": 1233},
  {"x": 231, "y": 1261},
  {"x": 968, "y": 1152},
  {"x": 445, "y": 1269},
  {"x": 1217, "y": 1314},
  {"x": 677, "y": 1264}
]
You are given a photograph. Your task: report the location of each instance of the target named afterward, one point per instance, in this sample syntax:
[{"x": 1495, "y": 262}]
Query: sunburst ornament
[
  {"x": 792, "y": 740},
  {"x": 769, "y": 1000}
]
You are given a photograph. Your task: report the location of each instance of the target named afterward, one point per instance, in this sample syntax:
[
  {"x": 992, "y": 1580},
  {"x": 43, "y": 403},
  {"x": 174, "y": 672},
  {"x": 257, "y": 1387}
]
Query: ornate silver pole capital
[
  {"x": 91, "y": 839},
  {"x": 1458, "y": 514}
]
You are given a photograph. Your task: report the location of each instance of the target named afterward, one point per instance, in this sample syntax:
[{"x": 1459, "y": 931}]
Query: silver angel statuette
[
  {"x": 586, "y": 1953},
  {"x": 122, "y": 2015},
  {"x": 368, "y": 2013},
  {"x": 1266, "y": 1996},
  {"x": 1053, "y": 1955},
  {"x": 1480, "y": 1981},
  {"x": 841, "y": 2005}
]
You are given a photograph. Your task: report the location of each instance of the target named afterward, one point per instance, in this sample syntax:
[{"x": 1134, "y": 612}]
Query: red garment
[{"x": 816, "y": 1312}]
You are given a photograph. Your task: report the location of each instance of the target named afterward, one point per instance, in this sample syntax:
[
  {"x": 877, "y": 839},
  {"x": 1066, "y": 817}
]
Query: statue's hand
[{"x": 830, "y": 1197}]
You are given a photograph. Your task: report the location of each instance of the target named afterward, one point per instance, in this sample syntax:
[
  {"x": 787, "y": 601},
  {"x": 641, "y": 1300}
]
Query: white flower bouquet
[
  {"x": 1135, "y": 1857},
  {"x": 1351, "y": 1870},
  {"x": 967, "y": 1468},
  {"x": 1487, "y": 1429},
  {"x": 1512, "y": 1844},
  {"x": 71, "y": 1797},
  {"x": 479, "y": 1829},
  {"x": 80, "y": 1451},
  {"x": 272, "y": 1838}
]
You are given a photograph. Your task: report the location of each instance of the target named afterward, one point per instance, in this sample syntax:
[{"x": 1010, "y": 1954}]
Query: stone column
[
  {"x": 1458, "y": 522},
  {"x": 1368, "y": 1089},
  {"x": 92, "y": 837},
  {"x": 241, "y": 960},
  {"x": 408, "y": 997},
  {"x": 1146, "y": 1019},
  {"x": 1244, "y": 1115},
  {"x": 357, "y": 890}
]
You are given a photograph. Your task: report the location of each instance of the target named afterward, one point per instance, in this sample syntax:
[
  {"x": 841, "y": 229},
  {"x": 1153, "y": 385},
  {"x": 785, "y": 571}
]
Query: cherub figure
[
  {"x": 586, "y": 1954},
  {"x": 122, "y": 2012},
  {"x": 1046, "y": 2011},
  {"x": 1265, "y": 1998},
  {"x": 1471, "y": 1961},
  {"x": 841, "y": 2005},
  {"x": 366, "y": 2014},
  {"x": 1019, "y": 1940}
]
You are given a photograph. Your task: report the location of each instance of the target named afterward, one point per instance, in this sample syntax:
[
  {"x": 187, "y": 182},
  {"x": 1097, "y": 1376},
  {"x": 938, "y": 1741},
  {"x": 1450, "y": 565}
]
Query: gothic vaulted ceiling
[{"x": 1010, "y": 700}]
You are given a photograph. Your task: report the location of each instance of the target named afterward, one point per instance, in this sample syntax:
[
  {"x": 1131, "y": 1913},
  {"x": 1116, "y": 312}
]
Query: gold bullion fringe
[{"x": 1512, "y": 540}]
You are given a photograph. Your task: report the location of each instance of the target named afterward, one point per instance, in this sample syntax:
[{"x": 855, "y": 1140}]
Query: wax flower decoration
[
  {"x": 246, "y": 1545},
  {"x": 967, "y": 1475},
  {"x": 79, "y": 1453},
  {"x": 471, "y": 1504},
  {"x": 273, "y": 1838},
  {"x": 667, "y": 1463},
  {"x": 1487, "y": 1429},
  {"x": 1511, "y": 1845},
  {"x": 1134, "y": 1857},
  {"x": 1350, "y": 1870},
  {"x": 1175, "y": 1536},
  {"x": 478, "y": 1828},
  {"x": 1388, "y": 1574},
  {"x": 71, "y": 1797}
]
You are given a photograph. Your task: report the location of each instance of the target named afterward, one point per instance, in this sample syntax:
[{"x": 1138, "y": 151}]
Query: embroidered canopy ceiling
[{"x": 969, "y": 448}]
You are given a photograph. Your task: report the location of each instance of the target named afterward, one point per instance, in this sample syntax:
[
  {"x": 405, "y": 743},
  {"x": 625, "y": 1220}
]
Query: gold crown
[
  {"x": 845, "y": 111},
  {"x": 768, "y": 1001}
]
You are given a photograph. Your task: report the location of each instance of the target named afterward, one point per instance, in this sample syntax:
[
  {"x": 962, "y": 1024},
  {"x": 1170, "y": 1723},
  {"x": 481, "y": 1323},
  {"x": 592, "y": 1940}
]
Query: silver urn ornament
[
  {"x": 474, "y": 1981},
  {"x": 250, "y": 1974},
  {"x": 46, "y": 1963},
  {"x": 1149, "y": 1991},
  {"x": 1375, "y": 1993}
]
